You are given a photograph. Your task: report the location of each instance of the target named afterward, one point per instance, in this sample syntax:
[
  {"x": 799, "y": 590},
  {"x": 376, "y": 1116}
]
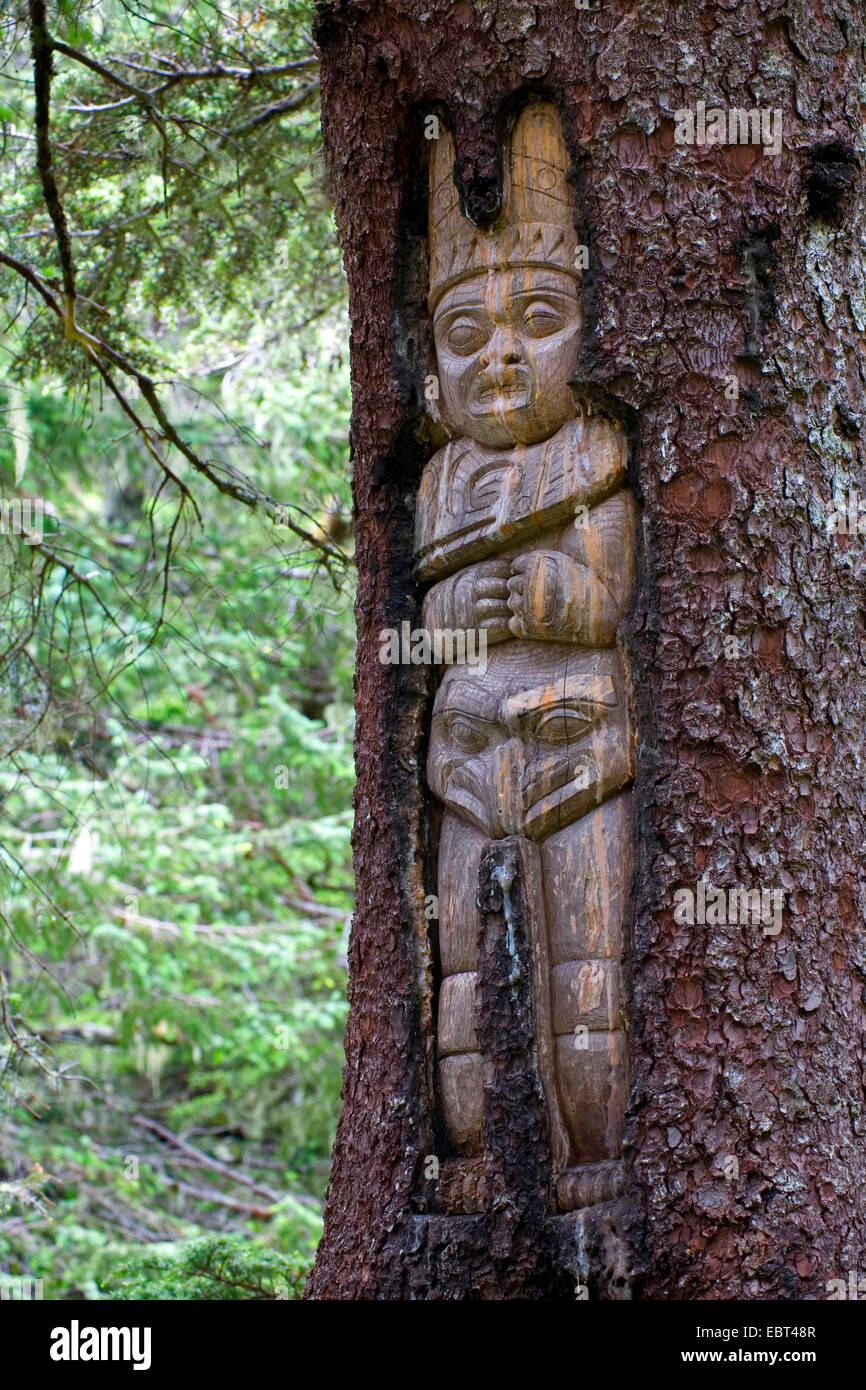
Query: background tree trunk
[{"x": 746, "y": 1133}]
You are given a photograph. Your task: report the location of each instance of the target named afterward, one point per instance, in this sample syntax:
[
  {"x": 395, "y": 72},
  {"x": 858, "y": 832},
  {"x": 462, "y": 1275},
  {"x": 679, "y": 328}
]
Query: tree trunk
[{"x": 724, "y": 306}]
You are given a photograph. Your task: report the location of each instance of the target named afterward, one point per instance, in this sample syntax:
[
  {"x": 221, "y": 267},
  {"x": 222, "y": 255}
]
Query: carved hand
[
  {"x": 555, "y": 598},
  {"x": 474, "y": 599}
]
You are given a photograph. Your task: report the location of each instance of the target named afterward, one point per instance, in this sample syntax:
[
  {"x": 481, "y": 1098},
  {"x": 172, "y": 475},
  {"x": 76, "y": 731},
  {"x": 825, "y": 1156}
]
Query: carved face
[
  {"x": 537, "y": 740},
  {"x": 506, "y": 345}
]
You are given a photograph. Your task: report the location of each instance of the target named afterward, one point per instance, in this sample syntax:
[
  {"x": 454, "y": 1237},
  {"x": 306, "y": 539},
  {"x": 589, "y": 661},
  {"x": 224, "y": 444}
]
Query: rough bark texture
[{"x": 746, "y": 1131}]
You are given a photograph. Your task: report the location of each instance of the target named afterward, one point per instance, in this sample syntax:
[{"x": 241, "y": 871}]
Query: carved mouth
[
  {"x": 555, "y": 797},
  {"x": 538, "y": 806},
  {"x": 467, "y": 799},
  {"x": 551, "y": 775},
  {"x": 511, "y": 392}
]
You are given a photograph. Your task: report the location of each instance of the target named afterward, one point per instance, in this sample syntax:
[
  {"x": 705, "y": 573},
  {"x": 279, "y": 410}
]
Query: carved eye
[
  {"x": 542, "y": 319},
  {"x": 470, "y": 735},
  {"x": 465, "y": 336},
  {"x": 561, "y": 726}
]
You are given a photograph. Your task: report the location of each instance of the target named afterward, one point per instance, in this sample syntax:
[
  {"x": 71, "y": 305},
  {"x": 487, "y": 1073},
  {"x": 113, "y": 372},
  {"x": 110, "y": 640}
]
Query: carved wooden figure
[{"x": 526, "y": 530}]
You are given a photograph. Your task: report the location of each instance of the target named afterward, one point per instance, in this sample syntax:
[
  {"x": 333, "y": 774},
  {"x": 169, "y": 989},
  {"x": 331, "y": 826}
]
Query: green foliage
[
  {"x": 175, "y": 890},
  {"x": 175, "y": 684},
  {"x": 216, "y": 1267},
  {"x": 193, "y": 207}
]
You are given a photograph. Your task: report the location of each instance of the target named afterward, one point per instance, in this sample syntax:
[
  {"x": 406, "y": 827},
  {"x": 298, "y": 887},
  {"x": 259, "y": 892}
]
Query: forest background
[{"x": 177, "y": 648}]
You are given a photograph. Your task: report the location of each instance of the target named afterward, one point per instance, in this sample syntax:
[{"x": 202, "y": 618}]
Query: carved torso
[{"x": 473, "y": 499}]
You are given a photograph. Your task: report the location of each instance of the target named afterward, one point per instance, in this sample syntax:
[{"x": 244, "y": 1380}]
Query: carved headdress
[{"x": 536, "y": 227}]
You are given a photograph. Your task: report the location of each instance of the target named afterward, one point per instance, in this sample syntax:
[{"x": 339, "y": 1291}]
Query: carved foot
[{"x": 590, "y": 1183}]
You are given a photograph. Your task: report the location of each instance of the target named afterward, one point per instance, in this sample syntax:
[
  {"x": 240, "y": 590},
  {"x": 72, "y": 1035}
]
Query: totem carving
[{"x": 526, "y": 531}]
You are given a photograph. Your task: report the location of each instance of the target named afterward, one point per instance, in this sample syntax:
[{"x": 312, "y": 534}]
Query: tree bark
[{"x": 725, "y": 307}]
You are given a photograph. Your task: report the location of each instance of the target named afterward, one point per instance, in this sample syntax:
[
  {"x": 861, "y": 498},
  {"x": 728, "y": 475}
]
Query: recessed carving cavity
[{"x": 526, "y": 531}]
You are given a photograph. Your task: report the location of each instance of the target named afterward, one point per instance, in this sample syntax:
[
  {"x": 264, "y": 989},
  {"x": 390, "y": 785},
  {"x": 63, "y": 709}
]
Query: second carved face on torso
[
  {"x": 535, "y": 741},
  {"x": 506, "y": 346}
]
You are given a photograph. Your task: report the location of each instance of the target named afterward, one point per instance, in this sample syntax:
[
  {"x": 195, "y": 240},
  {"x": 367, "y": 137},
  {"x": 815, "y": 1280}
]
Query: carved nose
[
  {"x": 503, "y": 348},
  {"x": 509, "y": 774}
]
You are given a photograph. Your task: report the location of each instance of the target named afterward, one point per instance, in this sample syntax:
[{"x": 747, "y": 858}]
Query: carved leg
[
  {"x": 460, "y": 1084},
  {"x": 587, "y": 872}
]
